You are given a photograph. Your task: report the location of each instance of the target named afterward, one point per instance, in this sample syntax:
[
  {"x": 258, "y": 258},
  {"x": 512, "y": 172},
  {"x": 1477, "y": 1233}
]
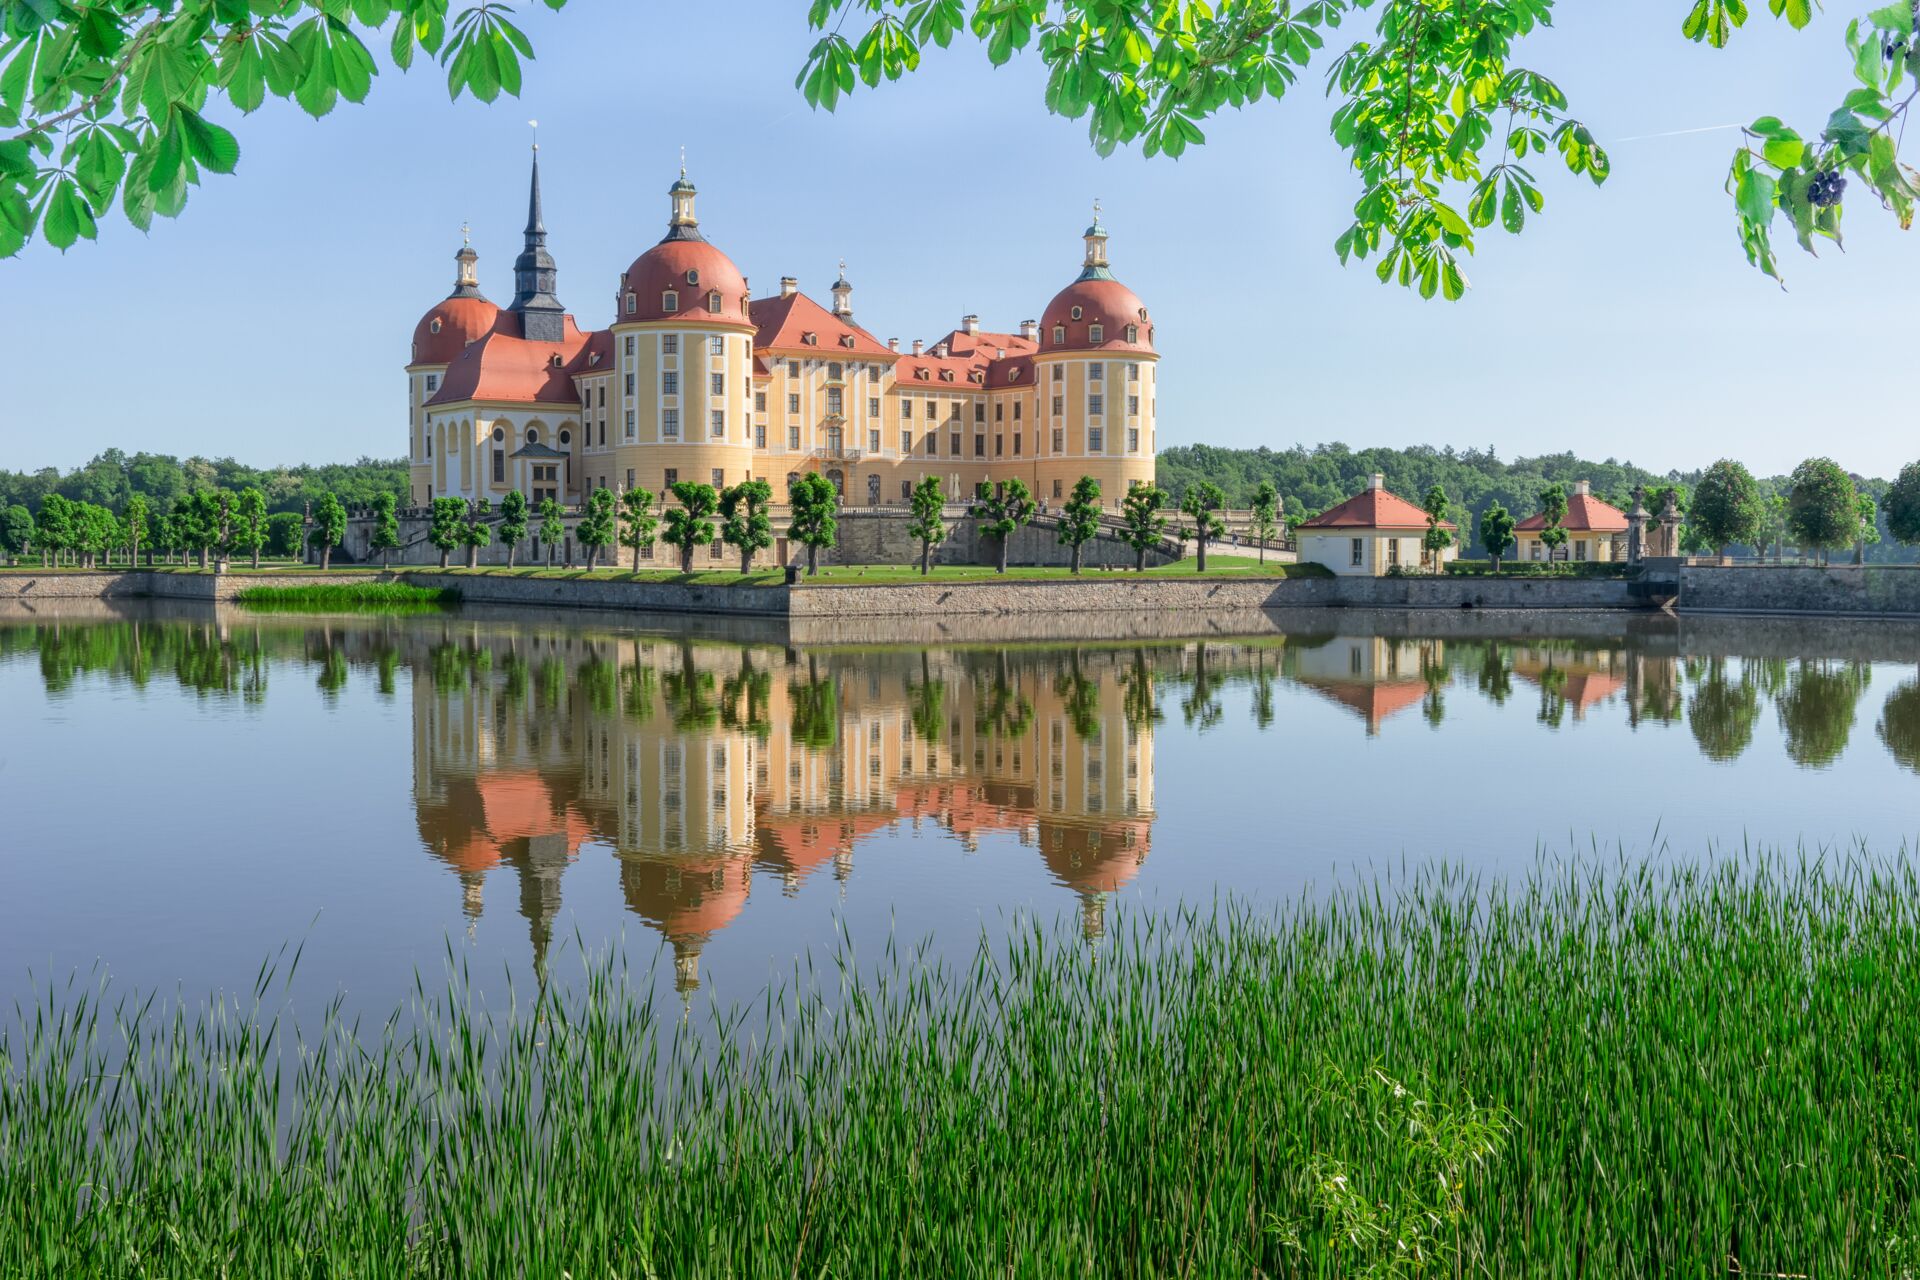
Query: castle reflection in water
[{"x": 698, "y": 765}]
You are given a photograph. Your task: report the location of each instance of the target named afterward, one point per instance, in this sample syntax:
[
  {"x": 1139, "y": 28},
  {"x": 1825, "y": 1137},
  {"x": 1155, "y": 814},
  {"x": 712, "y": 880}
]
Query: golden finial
[
  {"x": 683, "y": 160},
  {"x": 466, "y": 236},
  {"x": 535, "y": 126}
]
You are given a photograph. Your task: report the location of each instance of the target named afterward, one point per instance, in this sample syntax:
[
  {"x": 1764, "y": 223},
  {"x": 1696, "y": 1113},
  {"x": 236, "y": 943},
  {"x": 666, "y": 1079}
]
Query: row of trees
[
  {"x": 210, "y": 523},
  {"x": 114, "y": 476}
]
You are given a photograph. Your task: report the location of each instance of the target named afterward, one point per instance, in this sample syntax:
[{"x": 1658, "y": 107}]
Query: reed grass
[
  {"x": 1622, "y": 1070},
  {"x": 346, "y": 595}
]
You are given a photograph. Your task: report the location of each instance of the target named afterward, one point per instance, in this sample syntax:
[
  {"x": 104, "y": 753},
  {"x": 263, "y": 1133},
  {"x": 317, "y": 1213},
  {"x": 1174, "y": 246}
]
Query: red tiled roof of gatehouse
[
  {"x": 503, "y": 367},
  {"x": 784, "y": 323},
  {"x": 1585, "y": 514},
  {"x": 1373, "y": 509},
  {"x": 995, "y": 346}
]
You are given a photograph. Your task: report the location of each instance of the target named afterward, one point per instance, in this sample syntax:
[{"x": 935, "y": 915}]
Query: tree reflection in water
[{"x": 1817, "y": 709}]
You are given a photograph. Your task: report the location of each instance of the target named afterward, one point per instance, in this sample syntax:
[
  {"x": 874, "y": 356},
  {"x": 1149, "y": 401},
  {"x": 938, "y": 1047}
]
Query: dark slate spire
[{"x": 541, "y": 314}]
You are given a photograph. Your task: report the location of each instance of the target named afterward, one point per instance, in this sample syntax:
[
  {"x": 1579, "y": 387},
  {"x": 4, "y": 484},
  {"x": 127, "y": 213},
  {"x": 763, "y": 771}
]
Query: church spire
[
  {"x": 542, "y": 315},
  {"x": 1096, "y": 260}
]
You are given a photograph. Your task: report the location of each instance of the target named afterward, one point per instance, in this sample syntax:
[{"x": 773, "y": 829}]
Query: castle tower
[{"x": 542, "y": 317}]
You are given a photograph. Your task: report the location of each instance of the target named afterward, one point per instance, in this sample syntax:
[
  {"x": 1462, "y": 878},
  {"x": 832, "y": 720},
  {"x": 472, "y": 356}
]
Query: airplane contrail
[{"x": 1675, "y": 133}]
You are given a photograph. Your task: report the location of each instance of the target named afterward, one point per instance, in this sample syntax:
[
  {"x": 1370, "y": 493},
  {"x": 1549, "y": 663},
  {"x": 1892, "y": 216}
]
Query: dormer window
[
  {"x": 633, "y": 304},
  {"x": 946, "y": 375},
  {"x": 1059, "y": 335},
  {"x": 434, "y": 327},
  {"x": 693, "y": 276},
  {"x": 554, "y": 360},
  {"x": 593, "y": 358},
  {"x": 1133, "y": 333},
  {"x": 1075, "y": 313},
  {"x": 713, "y": 300},
  {"x": 669, "y": 301},
  {"x": 1013, "y": 375},
  {"x": 1096, "y": 334},
  {"x": 811, "y": 339},
  {"x": 846, "y": 340}
]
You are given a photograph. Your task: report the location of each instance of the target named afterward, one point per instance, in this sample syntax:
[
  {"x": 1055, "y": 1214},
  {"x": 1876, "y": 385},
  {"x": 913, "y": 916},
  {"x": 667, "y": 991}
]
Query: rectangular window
[
  {"x": 629, "y": 384},
  {"x": 760, "y": 436},
  {"x": 1059, "y": 405},
  {"x": 906, "y": 442},
  {"x": 979, "y": 446},
  {"x": 1096, "y": 404},
  {"x": 1133, "y": 439},
  {"x": 1359, "y": 552},
  {"x": 433, "y": 382},
  {"x": 718, "y": 382},
  {"x": 719, "y": 476},
  {"x": 670, "y": 383},
  {"x": 1059, "y": 373},
  {"x": 1133, "y": 406},
  {"x": 1096, "y": 440},
  {"x": 999, "y": 446},
  {"x": 672, "y": 477},
  {"x": 793, "y": 402},
  {"x": 499, "y": 466},
  {"x": 1059, "y": 440},
  {"x": 793, "y": 437},
  {"x": 953, "y": 445},
  {"x": 979, "y": 410},
  {"x": 1579, "y": 548},
  {"x": 906, "y": 493},
  {"x": 1056, "y": 488},
  {"x": 719, "y": 430},
  {"x": 1016, "y": 444},
  {"x": 670, "y": 424},
  {"x": 759, "y": 402},
  {"x": 1096, "y": 334},
  {"x": 873, "y": 440},
  {"x": 716, "y": 345},
  {"x": 933, "y": 443},
  {"x": 630, "y": 423},
  {"x": 906, "y": 408},
  {"x": 873, "y": 407},
  {"x": 603, "y": 395},
  {"x": 1133, "y": 371},
  {"x": 835, "y": 405},
  {"x": 629, "y": 344},
  {"x": 1096, "y": 372},
  {"x": 629, "y": 477},
  {"x": 1393, "y": 552},
  {"x": 603, "y": 433},
  {"x": 669, "y": 344}
]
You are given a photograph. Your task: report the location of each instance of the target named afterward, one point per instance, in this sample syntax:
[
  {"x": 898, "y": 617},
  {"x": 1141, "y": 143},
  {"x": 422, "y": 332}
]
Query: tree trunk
[
  {"x": 1076, "y": 557},
  {"x": 326, "y": 556},
  {"x": 636, "y": 557},
  {"x": 473, "y": 555},
  {"x": 256, "y": 555},
  {"x": 926, "y": 554},
  {"x": 1140, "y": 559},
  {"x": 1201, "y": 545},
  {"x": 813, "y": 559},
  {"x": 511, "y": 548},
  {"x": 443, "y": 558},
  {"x": 746, "y": 561},
  {"x": 1000, "y": 553},
  {"x": 386, "y": 557},
  {"x": 203, "y": 555},
  {"x": 686, "y": 556}
]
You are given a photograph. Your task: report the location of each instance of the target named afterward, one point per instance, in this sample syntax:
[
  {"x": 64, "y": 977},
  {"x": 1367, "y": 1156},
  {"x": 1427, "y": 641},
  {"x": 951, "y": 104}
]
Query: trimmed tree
[
  {"x": 744, "y": 523},
  {"x": 54, "y": 527},
  {"x": 1438, "y": 537},
  {"x": 689, "y": 525},
  {"x": 134, "y": 526},
  {"x": 815, "y": 504},
  {"x": 1821, "y": 508},
  {"x": 1553, "y": 505},
  {"x": 1727, "y": 507},
  {"x": 1266, "y": 515},
  {"x": 597, "y": 530},
  {"x": 386, "y": 527},
  {"x": 250, "y": 522},
  {"x": 1080, "y": 518},
  {"x": 638, "y": 524},
  {"x": 443, "y": 530},
  {"x": 1203, "y": 501},
  {"x": 1496, "y": 533},
  {"x": 329, "y": 526},
  {"x": 1869, "y": 534},
  {"x": 16, "y": 530},
  {"x": 1001, "y": 509},
  {"x": 1903, "y": 505},
  {"x": 475, "y": 530},
  {"x": 1145, "y": 526},
  {"x": 513, "y": 522},
  {"x": 553, "y": 526},
  {"x": 927, "y": 502}
]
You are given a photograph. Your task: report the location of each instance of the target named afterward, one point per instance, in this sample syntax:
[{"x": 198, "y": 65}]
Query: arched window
[
  {"x": 1059, "y": 334},
  {"x": 713, "y": 300},
  {"x": 533, "y": 435},
  {"x": 669, "y": 301},
  {"x": 633, "y": 304},
  {"x": 1133, "y": 333},
  {"x": 1095, "y": 334}
]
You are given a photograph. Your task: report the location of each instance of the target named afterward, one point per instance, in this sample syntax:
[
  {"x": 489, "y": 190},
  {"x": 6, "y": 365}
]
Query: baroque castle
[{"x": 695, "y": 379}]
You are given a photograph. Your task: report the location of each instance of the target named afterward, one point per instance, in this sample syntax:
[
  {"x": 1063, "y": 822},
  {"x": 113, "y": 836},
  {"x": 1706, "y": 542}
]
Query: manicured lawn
[{"x": 1224, "y": 566}]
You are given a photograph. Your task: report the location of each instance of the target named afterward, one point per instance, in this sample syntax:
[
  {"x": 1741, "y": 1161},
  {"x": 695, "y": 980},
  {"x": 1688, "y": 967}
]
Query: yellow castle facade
[{"x": 694, "y": 378}]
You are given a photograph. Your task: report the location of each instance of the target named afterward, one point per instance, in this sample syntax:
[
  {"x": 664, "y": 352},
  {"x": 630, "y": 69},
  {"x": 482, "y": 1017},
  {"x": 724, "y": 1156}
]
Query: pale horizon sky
[{"x": 271, "y": 321}]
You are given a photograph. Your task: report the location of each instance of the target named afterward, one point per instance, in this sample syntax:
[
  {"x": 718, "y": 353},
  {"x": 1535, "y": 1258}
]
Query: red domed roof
[
  {"x": 666, "y": 267},
  {"x": 1104, "y": 301},
  {"x": 449, "y": 325}
]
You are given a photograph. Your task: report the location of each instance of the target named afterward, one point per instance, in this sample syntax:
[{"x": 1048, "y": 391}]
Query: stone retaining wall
[{"x": 1862, "y": 590}]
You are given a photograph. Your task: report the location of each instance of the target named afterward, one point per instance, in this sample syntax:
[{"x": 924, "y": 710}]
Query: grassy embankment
[
  {"x": 1634, "y": 1072},
  {"x": 350, "y": 595}
]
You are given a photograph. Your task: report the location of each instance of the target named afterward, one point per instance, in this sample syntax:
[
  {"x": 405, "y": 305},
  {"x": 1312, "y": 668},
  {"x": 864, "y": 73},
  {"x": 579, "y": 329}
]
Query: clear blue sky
[{"x": 271, "y": 321}]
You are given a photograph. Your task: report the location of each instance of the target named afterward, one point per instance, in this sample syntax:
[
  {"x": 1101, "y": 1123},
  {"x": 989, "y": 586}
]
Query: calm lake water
[{"x": 185, "y": 790}]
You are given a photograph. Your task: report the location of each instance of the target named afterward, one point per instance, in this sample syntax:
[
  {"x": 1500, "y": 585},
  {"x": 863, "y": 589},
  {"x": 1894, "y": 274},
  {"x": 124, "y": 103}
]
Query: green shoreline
[{"x": 1609, "y": 1069}]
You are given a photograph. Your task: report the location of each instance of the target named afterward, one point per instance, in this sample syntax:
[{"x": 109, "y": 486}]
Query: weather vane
[
  {"x": 535, "y": 126},
  {"x": 1096, "y": 208},
  {"x": 683, "y": 160},
  {"x": 466, "y": 235}
]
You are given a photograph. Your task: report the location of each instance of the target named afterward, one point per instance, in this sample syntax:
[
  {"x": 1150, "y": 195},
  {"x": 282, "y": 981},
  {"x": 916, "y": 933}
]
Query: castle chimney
[
  {"x": 789, "y": 286},
  {"x": 893, "y": 344},
  {"x": 1030, "y": 330},
  {"x": 1377, "y": 481},
  {"x": 970, "y": 324},
  {"x": 918, "y": 346},
  {"x": 1582, "y": 489},
  {"x": 940, "y": 351}
]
